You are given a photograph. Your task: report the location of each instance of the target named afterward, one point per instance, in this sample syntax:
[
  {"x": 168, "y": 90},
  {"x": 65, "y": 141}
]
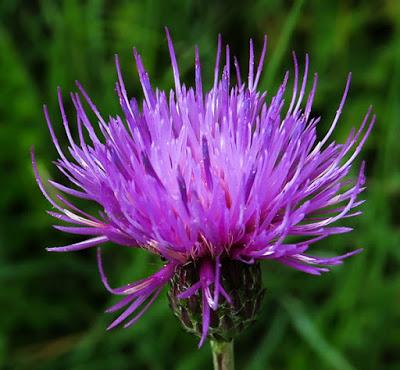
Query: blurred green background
[{"x": 51, "y": 305}]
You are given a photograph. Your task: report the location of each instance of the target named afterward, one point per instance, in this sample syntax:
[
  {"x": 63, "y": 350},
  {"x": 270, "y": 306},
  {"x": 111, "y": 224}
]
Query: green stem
[{"x": 223, "y": 357}]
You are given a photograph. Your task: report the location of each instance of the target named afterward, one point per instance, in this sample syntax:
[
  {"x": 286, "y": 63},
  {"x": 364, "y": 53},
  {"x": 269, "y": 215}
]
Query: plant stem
[{"x": 223, "y": 357}]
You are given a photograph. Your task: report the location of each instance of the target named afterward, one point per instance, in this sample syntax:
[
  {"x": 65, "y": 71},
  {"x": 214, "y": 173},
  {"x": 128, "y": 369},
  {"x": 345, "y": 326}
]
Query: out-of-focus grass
[{"x": 51, "y": 305}]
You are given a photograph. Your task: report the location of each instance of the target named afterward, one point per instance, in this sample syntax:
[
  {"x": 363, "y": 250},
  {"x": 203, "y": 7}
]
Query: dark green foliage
[{"x": 51, "y": 305}]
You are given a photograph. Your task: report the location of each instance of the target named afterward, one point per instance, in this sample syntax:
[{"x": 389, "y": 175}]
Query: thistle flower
[{"x": 207, "y": 181}]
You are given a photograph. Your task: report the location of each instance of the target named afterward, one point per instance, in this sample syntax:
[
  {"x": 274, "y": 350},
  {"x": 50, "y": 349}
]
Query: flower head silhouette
[{"x": 206, "y": 178}]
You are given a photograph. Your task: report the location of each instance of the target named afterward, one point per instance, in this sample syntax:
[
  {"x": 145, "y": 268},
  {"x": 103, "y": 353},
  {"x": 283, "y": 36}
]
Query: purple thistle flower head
[{"x": 206, "y": 177}]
